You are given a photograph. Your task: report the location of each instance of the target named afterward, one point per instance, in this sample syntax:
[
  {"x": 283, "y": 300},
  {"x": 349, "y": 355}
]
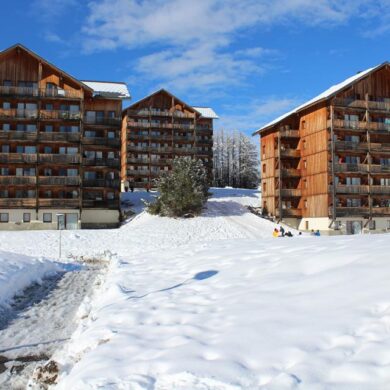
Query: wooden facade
[
  {"x": 330, "y": 159},
  {"x": 157, "y": 129},
  {"x": 59, "y": 141}
]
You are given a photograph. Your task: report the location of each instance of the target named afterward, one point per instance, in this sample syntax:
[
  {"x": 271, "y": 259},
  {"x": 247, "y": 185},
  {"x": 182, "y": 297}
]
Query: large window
[
  {"x": 26, "y": 217},
  {"x": 4, "y": 217},
  {"x": 47, "y": 217}
]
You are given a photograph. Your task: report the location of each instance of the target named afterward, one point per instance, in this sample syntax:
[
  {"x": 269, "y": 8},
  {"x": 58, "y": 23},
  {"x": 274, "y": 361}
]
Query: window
[
  {"x": 4, "y": 171},
  {"x": 49, "y": 106},
  {"x": 26, "y": 217},
  {"x": 264, "y": 168},
  {"x": 304, "y": 144},
  {"x": 4, "y": 217},
  {"x": 7, "y": 83},
  {"x": 371, "y": 225},
  {"x": 48, "y": 128},
  {"x": 111, "y": 114},
  {"x": 388, "y": 224},
  {"x": 6, "y": 127},
  {"x": 47, "y": 217},
  {"x": 47, "y": 150},
  {"x": 6, "y": 105},
  {"x": 111, "y": 134},
  {"x": 4, "y": 148},
  {"x": 303, "y": 125},
  {"x": 3, "y": 193}
]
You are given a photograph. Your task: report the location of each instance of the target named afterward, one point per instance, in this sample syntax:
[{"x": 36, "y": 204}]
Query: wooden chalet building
[
  {"x": 159, "y": 128},
  {"x": 326, "y": 164},
  {"x": 60, "y": 146}
]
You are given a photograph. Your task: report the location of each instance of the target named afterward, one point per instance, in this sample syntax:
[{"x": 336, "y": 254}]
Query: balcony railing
[
  {"x": 13, "y": 113},
  {"x": 360, "y": 168},
  {"x": 111, "y": 183},
  {"x": 377, "y": 168},
  {"x": 106, "y": 204},
  {"x": 360, "y": 125},
  {"x": 290, "y": 153},
  {"x": 43, "y": 92},
  {"x": 380, "y": 190},
  {"x": 18, "y": 158},
  {"x": 290, "y": 172},
  {"x": 59, "y": 202},
  {"x": 18, "y": 180},
  {"x": 355, "y": 103},
  {"x": 351, "y": 211},
  {"x": 289, "y": 133},
  {"x": 186, "y": 150},
  {"x": 291, "y": 212},
  {"x": 138, "y": 172},
  {"x": 153, "y": 112},
  {"x": 137, "y": 161},
  {"x": 292, "y": 192},
  {"x": 15, "y": 135},
  {"x": 102, "y": 162},
  {"x": 351, "y": 146},
  {"x": 101, "y": 141},
  {"x": 17, "y": 202},
  {"x": 59, "y": 136},
  {"x": 351, "y": 189},
  {"x": 60, "y": 115},
  {"x": 380, "y": 211},
  {"x": 380, "y": 148},
  {"x": 59, "y": 180},
  {"x": 102, "y": 121},
  {"x": 59, "y": 158}
]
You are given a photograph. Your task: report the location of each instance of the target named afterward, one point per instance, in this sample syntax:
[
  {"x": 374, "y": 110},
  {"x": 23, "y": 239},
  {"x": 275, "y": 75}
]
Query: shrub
[{"x": 184, "y": 190}]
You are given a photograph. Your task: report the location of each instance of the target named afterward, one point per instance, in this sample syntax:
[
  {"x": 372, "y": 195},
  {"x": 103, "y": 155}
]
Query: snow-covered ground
[{"x": 216, "y": 303}]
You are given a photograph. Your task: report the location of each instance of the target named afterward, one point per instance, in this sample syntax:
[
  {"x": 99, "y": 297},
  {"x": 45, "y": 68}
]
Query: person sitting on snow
[
  {"x": 281, "y": 229},
  {"x": 317, "y": 233},
  {"x": 275, "y": 233}
]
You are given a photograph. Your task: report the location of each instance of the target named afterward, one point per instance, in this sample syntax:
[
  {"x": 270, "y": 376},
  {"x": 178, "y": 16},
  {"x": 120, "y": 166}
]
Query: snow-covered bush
[{"x": 184, "y": 190}]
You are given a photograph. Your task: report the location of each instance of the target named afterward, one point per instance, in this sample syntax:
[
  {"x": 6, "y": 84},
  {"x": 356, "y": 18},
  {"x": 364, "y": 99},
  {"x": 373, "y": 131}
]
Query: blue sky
[{"x": 250, "y": 60}]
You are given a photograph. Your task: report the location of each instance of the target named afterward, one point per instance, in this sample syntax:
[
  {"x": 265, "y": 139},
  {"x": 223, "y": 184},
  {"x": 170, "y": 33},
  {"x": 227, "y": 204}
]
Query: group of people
[
  {"x": 315, "y": 233},
  {"x": 282, "y": 233}
]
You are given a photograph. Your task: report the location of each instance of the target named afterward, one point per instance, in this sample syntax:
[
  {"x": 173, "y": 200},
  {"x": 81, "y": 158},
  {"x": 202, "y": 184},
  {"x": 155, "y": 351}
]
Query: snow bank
[
  {"x": 286, "y": 313},
  {"x": 19, "y": 271}
]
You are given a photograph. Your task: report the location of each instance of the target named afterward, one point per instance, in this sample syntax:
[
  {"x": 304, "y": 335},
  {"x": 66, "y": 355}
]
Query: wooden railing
[
  {"x": 102, "y": 121},
  {"x": 17, "y": 180},
  {"x": 59, "y": 158},
  {"x": 348, "y": 146},
  {"x": 59, "y": 202},
  {"x": 18, "y": 158},
  {"x": 40, "y": 92},
  {"x": 60, "y": 115},
  {"x": 18, "y": 135},
  {"x": 361, "y": 211},
  {"x": 154, "y": 112},
  {"x": 101, "y": 141},
  {"x": 290, "y": 153},
  {"x": 355, "y": 103},
  {"x": 376, "y": 168},
  {"x": 360, "y": 125},
  {"x": 380, "y": 190},
  {"x": 59, "y": 136},
  {"x": 12, "y": 113},
  {"x": 290, "y": 172},
  {"x": 293, "y": 192},
  {"x": 351, "y": 189},
  {"x": 17, "y": 202},
  {"x": 59, "y": 180},
  {"x": 138, "y": 172},
  {"x": 289, "y": 133},
  {"x": 106, "y": 204},
  {"x": 291, "y": 212},
  {"x": 104, "y": 162},
  {"x": 111, "y": 183}
]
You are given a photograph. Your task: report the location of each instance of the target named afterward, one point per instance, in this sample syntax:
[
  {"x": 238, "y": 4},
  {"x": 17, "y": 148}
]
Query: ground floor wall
[
  {"x": 350, "y": 225},
  {"x": 49, "y": 219}
]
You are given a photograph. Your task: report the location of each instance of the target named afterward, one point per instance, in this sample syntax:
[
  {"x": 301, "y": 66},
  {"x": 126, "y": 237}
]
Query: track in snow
[{"x": 38, "y": 322}]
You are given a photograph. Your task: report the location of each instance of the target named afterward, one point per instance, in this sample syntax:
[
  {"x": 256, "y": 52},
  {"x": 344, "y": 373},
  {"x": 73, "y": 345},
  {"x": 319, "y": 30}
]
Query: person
[
  {"x": 312, "y": 233},
  {"x": 300, "y": 234},
  {"x": 289, "y": 234},
  {"x": 126, "y": 185},
  {"x": 317, "y": 233},
  {"x": 281, "y": 229},
  {"x": 132, "y": 186},
  {"x": 275, "y": 233}
]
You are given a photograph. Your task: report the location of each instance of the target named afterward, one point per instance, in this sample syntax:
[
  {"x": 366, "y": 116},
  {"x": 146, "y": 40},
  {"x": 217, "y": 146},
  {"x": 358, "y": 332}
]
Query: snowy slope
[{"x": 18, "y": 271}]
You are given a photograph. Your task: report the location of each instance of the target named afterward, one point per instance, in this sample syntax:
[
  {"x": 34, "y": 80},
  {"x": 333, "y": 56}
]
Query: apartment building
[
  {"x": 159, "y": 128},
  {"x": 60, "y": 146},
  {"x": 326, "y": 164}
]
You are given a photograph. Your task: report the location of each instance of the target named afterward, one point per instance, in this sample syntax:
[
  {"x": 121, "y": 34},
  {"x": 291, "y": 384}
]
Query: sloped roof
[
  {"x": 109, "y": 89},
  {"x": 207, "y": 112},
  {"x": 43, "y": 60},
  {"x": 323, "y": 96}
]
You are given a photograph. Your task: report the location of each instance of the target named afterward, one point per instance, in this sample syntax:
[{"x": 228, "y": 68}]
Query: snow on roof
[
  {"x": 324, "y": 95},
  {"x": 206, "y": 112},
  {"x": 108, "y": 89}
]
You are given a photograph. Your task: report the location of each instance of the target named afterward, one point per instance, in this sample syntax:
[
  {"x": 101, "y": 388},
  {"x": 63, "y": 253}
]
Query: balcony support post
[{"x": 332, "y": 146}]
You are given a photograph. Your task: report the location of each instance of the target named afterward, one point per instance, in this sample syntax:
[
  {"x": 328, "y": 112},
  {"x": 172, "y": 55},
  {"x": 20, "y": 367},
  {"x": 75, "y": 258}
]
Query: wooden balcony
[
  {"x": 286, "y": 133},
  {"x": 101, "y": 141},
  {"x": 290, "y": 153},
  {"x": 382, "y": 169},
  {"x": 291, "y": 212},
  {"x": 362, "y": 104},
  {"x": 102, "y": 162},
  {"x": 103, "y": 121},
  {"x": 59, "y": 115},
  {"x": 135, "y": 124},
  {"x": 59, "y": 180},
  {"x": 351, "y": 168},
  {"x": 161, "y": 161},
  {"x": 59, "y": 137},
  {"x": 380, "y": 211},
  {"x": 59, "y": 158},
  {"x": 162, "y": 113},
  {"x": 348, "y": 146},
  {"x": 17, "y": 114},
  {"x": 204, "y": 141},
  {"x": 18, "y": 180},
  {"x": 59, "y": 202},
  {"x": 380, "y": 148},
  {"x": 360, "y": 126},
  {"x": 138, "y": 172},
  {"x": 290, "y": 192},
  {"x": 186, "y": 150},
  {"x": 351, "y": 211},
  {"x": 56, "y": 93},
  {"x": 110, "y": 183},
  {"x": 188, "y": 138},
  {"x": 15, "y": 158},
  {"x": 14, "y": 135},
  {"x": 380, "y": 190},
  {"x": 289, "y": 172},
  {"x": 17, "y": 202},
  {"x": 137, "y": 160},
  {"x": 101, "y": 204},
  {"x": 351, "y": 189}
]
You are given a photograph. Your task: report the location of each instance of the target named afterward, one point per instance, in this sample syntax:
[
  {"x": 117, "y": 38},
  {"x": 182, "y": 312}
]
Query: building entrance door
[{"x": 354, "y": 227}]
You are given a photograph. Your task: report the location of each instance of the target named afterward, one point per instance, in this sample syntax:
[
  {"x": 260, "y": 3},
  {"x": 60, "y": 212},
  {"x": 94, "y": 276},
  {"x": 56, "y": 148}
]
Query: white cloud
[
  {"x": 251, "y": 116},
  {"x": 49, "y": 9},
  {"x": 190, "y": 43}
]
